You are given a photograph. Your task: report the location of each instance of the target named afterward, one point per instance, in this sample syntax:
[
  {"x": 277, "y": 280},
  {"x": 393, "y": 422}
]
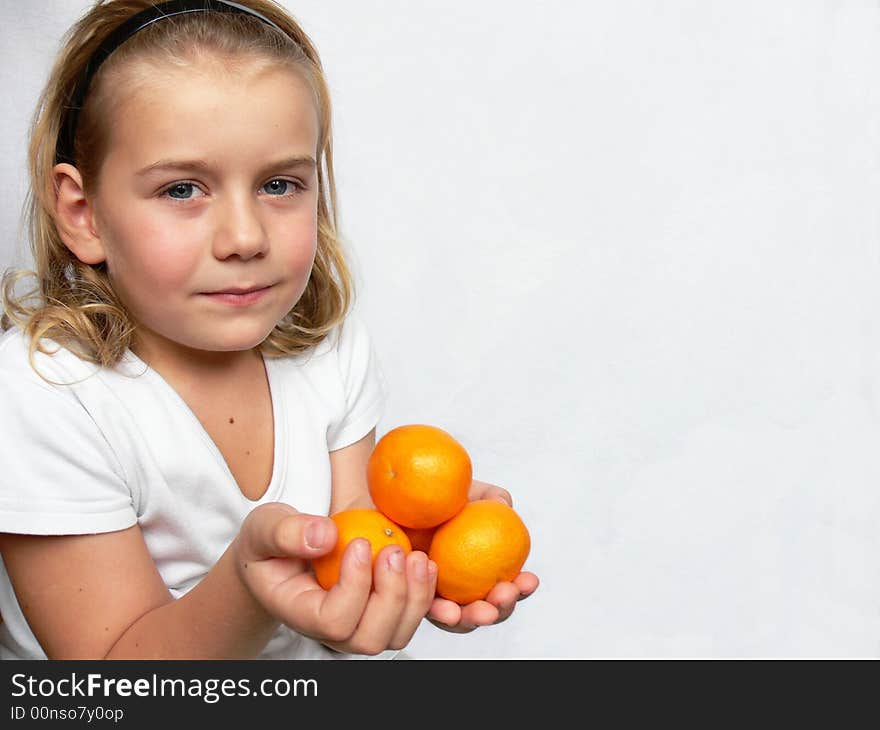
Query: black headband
[{"x": 64, "y": 149}]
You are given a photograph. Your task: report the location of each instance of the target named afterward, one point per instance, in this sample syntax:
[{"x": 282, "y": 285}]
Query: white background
[{"x": 628, "y": 253}]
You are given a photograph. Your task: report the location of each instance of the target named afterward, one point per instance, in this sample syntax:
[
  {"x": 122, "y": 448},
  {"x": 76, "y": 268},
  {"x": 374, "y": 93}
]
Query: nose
[{"x": 240, "y": 230}]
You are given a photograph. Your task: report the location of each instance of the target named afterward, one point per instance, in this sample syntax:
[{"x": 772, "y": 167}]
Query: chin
[
  {"x": 232, "y": 341},
  {"x": 238, "y": 344}
]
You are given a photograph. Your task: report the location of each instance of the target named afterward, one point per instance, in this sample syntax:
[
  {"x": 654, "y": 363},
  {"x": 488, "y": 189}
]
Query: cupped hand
[
  {"x": 499, "y": 604},
  {"x": 366, "y": 612},
  {"x": 493, "y": 609}
]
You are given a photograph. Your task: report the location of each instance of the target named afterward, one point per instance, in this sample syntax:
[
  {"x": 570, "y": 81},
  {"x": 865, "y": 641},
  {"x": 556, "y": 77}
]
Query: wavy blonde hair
[{"x": 73, "y": 303}]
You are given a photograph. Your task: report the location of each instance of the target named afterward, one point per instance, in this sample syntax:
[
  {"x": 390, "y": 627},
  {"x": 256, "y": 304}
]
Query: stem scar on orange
[
  {"x": 419, "y": 475},
  {"x": 482, "y": 545},
  {"x": 350, "y": 524}
]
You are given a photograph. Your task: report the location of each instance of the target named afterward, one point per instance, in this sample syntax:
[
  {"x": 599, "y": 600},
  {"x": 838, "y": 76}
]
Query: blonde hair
[{"x": 73, "y": 303}]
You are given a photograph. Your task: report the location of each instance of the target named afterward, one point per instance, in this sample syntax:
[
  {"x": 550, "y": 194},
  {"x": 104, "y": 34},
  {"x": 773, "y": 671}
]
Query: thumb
[{"x": 277, "y": 530}]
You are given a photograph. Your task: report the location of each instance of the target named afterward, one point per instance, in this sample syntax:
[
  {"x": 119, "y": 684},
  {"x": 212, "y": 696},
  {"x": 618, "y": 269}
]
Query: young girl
[{"x": 185, "y": 395}]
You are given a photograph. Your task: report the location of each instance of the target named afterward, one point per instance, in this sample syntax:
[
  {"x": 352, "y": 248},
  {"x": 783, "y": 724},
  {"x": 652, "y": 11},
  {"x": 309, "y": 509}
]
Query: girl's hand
[
  {"x": 494, "y": 609},
  {"x": 366, "y": 612},
  {"x": 484, "y": 490},
  {"x": 502, "y": 599}
]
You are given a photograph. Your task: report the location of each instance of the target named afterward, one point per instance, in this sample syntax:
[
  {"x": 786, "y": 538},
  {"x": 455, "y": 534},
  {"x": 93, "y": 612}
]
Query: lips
[
  {"x": 238, "y": 296},
  {"x": 240, "y": 290}
]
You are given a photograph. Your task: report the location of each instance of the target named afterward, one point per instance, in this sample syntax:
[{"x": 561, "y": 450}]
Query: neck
[{"x": 173, "y": 359}]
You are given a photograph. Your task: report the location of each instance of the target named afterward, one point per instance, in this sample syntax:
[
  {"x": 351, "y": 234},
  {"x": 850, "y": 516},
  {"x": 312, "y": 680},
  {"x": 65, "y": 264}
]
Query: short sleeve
[
  {"x": 58, "y": 474},
  {"x": 363, "y": 384}
]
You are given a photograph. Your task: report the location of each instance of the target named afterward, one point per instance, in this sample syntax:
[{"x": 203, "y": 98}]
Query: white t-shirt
[{"x": 121, "y": 447}]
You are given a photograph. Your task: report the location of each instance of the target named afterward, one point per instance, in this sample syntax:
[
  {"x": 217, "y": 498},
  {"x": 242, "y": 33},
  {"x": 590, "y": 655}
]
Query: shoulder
[
  {"x": 60, "y": 475},
  {"x": 52, "y": 369},
  {"x": 362, "y": 387},
  {"x": 346, "y": 344},
  {"x": 351, "y": 340},
  {"x": 45, "y": 390}
]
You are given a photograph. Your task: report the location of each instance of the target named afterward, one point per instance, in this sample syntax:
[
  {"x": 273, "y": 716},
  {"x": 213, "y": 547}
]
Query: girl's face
[{"x": 210, "y": 185}]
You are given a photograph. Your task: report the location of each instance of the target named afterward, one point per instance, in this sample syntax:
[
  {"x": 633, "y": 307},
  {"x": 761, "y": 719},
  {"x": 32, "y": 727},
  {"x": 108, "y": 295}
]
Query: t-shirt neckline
[{"x": 279, "y": 463}]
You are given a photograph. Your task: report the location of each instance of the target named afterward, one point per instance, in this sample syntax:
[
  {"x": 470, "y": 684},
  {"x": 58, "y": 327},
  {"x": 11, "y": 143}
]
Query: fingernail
[
  {"x": 362, "y": 552},
  {"x": 315, "y": 534},
  {"x": 421, "y": 569},
  {"x": 432, "y": 569},
  {"x": 395, "y": 561}
]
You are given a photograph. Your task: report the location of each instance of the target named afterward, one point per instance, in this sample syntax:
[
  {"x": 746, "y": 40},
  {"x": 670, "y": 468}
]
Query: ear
[{"x": 75, "y": 216}]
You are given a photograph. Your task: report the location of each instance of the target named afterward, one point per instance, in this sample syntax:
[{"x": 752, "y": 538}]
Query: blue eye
[
  {"x": 290, "y": 183},
  {"x": 177, "y": 187}
]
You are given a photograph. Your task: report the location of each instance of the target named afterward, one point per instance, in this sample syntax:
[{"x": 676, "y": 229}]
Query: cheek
[
  {"x": 153, "y": 260},
  {"x": 299, "y": 254}
]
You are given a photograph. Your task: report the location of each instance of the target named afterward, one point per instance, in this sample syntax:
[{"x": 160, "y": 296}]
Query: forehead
[{"x": 198, "y": 111}]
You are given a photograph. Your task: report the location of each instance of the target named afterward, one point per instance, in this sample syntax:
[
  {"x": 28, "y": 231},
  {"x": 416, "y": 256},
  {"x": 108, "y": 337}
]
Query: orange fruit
[
  {"x": 420, "y": 538},
  {"x": 485, "y": 543},
  {"x": 351, "y": 523},
  {"x": 419, "y": 475}
]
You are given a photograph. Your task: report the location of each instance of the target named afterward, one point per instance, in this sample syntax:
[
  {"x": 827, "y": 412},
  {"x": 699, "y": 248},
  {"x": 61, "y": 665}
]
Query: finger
[
  {"x": 452, "y": 629},
  {"x": 500, "y": 495},
  {"x": 385, "y": 605},
  {"x": 421, "y": 576},
  {"x": 334, "y": 615},
  {"x": 457, "y": 629},
  {"x": 527, "y": 584},
  {"x": 449, "y": 616},
  {"x": 478, "y": 613},
  {"x": 444, "y": 612},
  {"x": 504, "y": 596},
  {"x": 484, "y": 490},
  {"x": 471, "y": 616},
  {"x": 278, "y": 530}
]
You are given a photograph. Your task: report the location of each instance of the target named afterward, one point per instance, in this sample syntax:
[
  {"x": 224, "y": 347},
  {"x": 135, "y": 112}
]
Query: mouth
[
  {"x": 240, "y": 289},
  {"x": 238, "y": 296}
]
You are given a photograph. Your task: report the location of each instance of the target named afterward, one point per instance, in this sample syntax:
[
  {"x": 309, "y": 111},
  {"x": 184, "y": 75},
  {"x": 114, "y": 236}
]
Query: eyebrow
[{"x": 205, "y": 166}]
